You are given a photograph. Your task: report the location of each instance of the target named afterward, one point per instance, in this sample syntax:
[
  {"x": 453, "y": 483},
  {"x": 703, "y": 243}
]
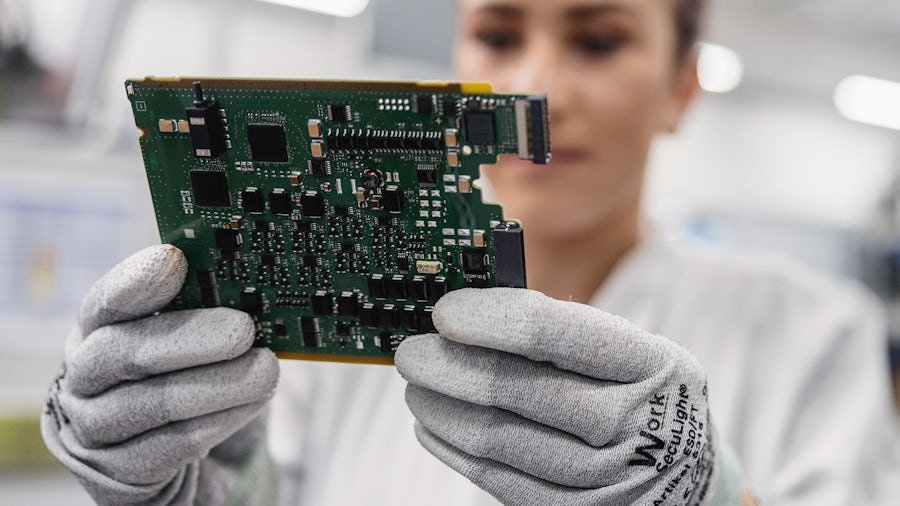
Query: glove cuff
[
  {"x": 102, "y": 488},
  {"x": 728, "y": 483}
]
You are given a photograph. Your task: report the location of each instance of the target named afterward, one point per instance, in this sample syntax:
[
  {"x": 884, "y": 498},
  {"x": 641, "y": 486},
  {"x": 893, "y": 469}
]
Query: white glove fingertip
[
  {"x": 411, "y": 354},
  {"x": 140, "y": 285},
  {"x": 266, "y": 370},
  {"x": 475, "y": 315}
]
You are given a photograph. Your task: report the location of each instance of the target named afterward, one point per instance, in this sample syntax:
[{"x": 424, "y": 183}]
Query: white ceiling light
[
  {"x": 719, "y": 69},
  {"x": 869, "y": 100},
  {"x": 342, "y": 8}
]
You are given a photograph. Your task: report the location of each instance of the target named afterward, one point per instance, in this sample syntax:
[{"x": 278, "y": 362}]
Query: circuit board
[{"x": 335, "y": 212}]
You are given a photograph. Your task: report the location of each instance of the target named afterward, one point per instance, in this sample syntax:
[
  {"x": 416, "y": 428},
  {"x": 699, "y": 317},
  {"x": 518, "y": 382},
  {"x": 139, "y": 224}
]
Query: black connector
[
  {"x": 509, "y": 256},
  {"x": 540, "y": 129},
  {"x": 208, "y": 134}
]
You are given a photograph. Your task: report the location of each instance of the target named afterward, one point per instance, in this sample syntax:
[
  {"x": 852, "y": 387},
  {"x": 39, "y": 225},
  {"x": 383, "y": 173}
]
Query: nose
[{"x": 541, "y": 70}]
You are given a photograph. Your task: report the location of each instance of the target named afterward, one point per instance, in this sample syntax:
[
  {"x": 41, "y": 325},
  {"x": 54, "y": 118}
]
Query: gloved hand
[
  {"x": 542, "y": 402},
  {"x": 159, "y": 409}
]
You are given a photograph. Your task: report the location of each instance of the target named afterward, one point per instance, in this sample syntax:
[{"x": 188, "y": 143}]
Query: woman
[{"x": 534, "y": 400}]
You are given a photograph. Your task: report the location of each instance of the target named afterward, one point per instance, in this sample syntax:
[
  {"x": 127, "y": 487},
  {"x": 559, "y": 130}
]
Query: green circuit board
[{"x": 335, "y": 212}]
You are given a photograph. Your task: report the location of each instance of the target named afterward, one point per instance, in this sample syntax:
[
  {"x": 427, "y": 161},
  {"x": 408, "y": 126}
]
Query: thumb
[{"x": 140, "y": 285}]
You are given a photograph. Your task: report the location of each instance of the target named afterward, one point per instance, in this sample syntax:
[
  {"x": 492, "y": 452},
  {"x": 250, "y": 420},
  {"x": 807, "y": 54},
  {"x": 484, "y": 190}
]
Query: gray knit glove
[
  {"x": 542, "y": 402},
  {"x": 159, "y": 409}
]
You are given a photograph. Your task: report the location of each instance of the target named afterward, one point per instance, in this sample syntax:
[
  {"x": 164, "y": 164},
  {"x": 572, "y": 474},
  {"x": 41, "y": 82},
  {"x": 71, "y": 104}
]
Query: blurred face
[{"x": 614, "y": 81}]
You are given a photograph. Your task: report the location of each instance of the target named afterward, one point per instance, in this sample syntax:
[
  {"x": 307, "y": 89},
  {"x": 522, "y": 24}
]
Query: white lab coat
[{"x": 797, "y": 373}]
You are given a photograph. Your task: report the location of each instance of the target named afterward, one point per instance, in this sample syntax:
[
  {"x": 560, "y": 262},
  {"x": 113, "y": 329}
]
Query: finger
[
  {"x": 584, "y": 407},
  {"x": 509, "y": 485},
  {"x": 137, "y": 407},
  {"x": 503, "y": 436},
  {"x": 572, "y": 336},
  {"x": 159, "y": 454},
  {"x": 157, "y": 344},
  {"x": 140, "y": 285}
]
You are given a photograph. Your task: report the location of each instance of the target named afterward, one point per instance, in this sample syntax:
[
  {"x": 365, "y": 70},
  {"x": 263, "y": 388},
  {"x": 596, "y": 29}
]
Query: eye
[
  {"x": 498, "y": 40},
  {"x": 598, "y": 45}
]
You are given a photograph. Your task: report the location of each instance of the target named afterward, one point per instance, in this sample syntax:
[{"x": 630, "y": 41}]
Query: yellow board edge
[
  {"x": 333, "y": 357},
  {"x": 474, "y": 88},
  {"x": 477, "y": 88}
]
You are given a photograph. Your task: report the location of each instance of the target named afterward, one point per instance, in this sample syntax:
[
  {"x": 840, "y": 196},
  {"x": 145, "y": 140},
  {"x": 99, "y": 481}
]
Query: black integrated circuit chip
[
  {"x": 392, "y": 199},
  {"x": 210, "y": 188},
  {"x": 340, "y": 112},
  {"x": 425, "y": 104},
  {"x": 252, "y": 201},
  {"x": 251, "y": 300},
  {"x": 280, "y": 202},
  {"x": 312, "y": 204},
  {"x": 474, "y": 262},
  {"x": 227, "y": 239},
  {"x": 318, "y": 167},
  {"x": 480, "y": 127},
  {"x": 426, "y": 176},
  {"x": 450, "y": 108},
  {"x": 268, "y": 143}
]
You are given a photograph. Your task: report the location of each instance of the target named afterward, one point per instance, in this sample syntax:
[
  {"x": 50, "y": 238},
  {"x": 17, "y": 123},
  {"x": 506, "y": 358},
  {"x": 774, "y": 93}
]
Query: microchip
[
  {"x": 322, "y": 303},
  {"x": 268, "y": 259},
  {"x": 280, "y": 328},
  {"x": 480, "y": 127},
  {"x": 310, "y": 261},
  {"x": 312, "y": 204},
  {"x": 437, "y": 288},
  {"x": 251, "y": 300},
  {"x": 403, "y": 264},
  {"x": 392, "y": 199},
  {"x": 343, "y": 329},
  {"x": 309, "y": 330},
  {"x": 348, "y": 304},
  {"x": 318, "y": 167},
  {"x": 304, "y": 226},
  {"x": 268, "y": 143},
  {"x": 397, "y": 288},
  {"x": 426, "y": 323},
  {"x": 385, "y": 339},
  {"x": 425, "y": 104},
  {"x": 210, "y": 188},
  {"x": 252, "y": 201},
  {"x": 426, "y": 176},
  {"x": 387, "y": 317},
  {"x": 377, "y": 287},
  {"x": 450, "y": 108},
  {"x": 279, "y": 201},
  {"x": 341, "y": 210},
  {"x": 340, "y": 112},
  {"x": 261, "y": 226},
  {"x": 227, "y": 239},
  {"x": 474, "y": 262},
  {"x": 419, "y": 289},
  {"x": 368, "y": 315},
  {"x": 409, "y": 319},
  {"x": 348, "y": 247}
]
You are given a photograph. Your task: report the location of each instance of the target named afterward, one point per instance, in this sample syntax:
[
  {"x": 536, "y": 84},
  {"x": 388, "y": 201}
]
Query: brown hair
[{"x": 689, "y": 15}]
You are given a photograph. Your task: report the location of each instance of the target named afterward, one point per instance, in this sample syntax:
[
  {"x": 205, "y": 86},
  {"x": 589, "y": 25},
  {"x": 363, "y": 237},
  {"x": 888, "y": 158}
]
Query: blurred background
[{"x": 795, "y": 149}]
